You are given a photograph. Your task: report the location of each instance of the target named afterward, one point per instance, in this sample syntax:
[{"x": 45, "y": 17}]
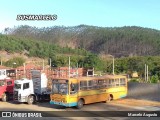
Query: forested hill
[{"x": 118, "y": 41}]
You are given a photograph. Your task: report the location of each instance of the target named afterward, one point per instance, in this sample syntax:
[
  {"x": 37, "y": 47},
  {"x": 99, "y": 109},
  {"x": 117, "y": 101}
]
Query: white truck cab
[
  {"x": 33, "y": 90},
  {"x": 23, "y": 88}
]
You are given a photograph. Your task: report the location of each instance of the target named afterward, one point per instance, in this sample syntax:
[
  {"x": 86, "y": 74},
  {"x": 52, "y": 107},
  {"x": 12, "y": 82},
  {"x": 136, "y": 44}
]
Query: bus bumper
[
  {"x": 122, "y": 96},
  {"x": 64, "y": 104}
]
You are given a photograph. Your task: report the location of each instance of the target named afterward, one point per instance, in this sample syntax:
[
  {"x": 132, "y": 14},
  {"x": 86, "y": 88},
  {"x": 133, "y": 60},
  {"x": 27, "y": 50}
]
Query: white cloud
[
  {"x": 5, "y": 24},
  {"x": 2, "y": 27}
]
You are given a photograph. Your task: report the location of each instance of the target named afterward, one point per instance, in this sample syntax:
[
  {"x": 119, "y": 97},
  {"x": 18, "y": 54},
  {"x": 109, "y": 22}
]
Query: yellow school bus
[{"x": 78, "y": 91}]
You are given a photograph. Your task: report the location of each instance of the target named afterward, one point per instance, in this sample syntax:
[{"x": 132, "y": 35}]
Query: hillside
[
  {"x": 5, "y": 56},
  {"x": 19, "y": 49},
  {"x": 118, "y": 41},
  {"x": 35, "y": 48},
  {"x": 31, "y": 50}
]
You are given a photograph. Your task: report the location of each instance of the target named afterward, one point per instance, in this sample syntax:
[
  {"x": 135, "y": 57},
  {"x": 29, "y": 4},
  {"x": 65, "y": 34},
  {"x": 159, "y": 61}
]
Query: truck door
[
  {"x": 10, "y": 85},
  {"x": 26, "y": 89}
]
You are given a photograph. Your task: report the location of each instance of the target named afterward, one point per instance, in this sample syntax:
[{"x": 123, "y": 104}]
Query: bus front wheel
[{"x": 80, "y": 104}]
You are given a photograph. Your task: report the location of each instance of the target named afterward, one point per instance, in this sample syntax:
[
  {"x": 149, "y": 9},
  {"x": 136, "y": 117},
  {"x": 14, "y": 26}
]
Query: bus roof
[
  {"x": 114, "y": 76},
  {"x": 95, "y": 77}
]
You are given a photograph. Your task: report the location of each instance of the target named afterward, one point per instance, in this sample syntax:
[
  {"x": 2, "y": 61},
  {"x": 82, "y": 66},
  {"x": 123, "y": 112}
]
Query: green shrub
[
  {"x": 15, "y": 62},
  {"x": 154, "y": 79},
  {"x": 134, "y": 80}
]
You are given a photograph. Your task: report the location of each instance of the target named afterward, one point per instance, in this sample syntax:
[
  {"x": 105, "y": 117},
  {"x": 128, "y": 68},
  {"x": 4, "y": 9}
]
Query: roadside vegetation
[{"x": 132, "y": 47}]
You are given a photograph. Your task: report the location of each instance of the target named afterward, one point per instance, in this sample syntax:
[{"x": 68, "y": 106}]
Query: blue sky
[{"x": 104, "y": 13}]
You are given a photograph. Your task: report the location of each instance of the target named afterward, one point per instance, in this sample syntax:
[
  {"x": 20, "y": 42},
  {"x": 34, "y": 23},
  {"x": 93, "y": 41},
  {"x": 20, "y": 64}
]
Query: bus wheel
[
  {"x": 31, "y": 99},
  {"x": 80, "y": 104},
  {"x": 4, "y": 97},
  {"x": 109, "y": 98}
]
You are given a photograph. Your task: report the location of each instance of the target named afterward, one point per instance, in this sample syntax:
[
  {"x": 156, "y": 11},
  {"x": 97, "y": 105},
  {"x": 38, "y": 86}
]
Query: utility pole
[
  {"x": 24, "y": 69},
  {"x": 77, "y": 70},
  {"x": 43, "y": 64},
  {"x": 1, "y": 61},
  {"x": 69, "y": 68},
  {"x": 50, "y": 64},
  {"x": 145, "y": 74},
  {"x": 113, "y": 65}
]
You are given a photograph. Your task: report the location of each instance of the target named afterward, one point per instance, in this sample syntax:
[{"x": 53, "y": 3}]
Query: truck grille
[{"x": 15, "y": 95}]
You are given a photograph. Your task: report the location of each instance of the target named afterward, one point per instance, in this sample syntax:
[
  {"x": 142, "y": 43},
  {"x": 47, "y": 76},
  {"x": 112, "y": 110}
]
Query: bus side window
[
  {"x": 83, "y": 85},
  {"x": 122, "y": 82},
  {"x": 95, "y": 84},
  {"x": 101, "y": 84},
  {"x": 106, "y": 83},
  {"x": 90, "y": 84},
  {"x": 109, "y": 83},
  {"x": 117, "y": 82},
  {"x": 112, "y": 82}
]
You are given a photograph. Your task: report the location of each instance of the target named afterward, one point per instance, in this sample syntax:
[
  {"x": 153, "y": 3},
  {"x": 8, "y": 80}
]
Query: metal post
[
  {"x": 1, "y": 61},
  {"x": 113, "y": 65},
  {"x": 24, "y": 69},
  {"x": 43, "y": 64},
  {"x": 69, "y": 68},
  {"x": 77, "y": 70},
  {"x": 93, "y": 71},
  {"x": 145, "y": 74},
  {"x": 50, "y": 64}
]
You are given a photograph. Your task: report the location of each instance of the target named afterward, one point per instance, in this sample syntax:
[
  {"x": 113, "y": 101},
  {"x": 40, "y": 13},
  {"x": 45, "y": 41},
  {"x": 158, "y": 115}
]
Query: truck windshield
[
  {"x": 17, "y": 86},
  {"x": 59, "y": 88},
  {"x": 2, "y": 83}
]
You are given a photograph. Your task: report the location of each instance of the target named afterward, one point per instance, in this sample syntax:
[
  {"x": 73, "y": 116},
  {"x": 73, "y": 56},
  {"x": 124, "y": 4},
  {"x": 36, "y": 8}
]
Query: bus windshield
[
  {"x": 17, "y": 86},
  {"x": 59, "y": 88}
]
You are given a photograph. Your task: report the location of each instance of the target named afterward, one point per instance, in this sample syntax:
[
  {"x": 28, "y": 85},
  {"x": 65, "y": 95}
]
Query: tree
[
  {"x": 90, "y": 61},
  {"x": 15, "y": 62},
  {"x": 154, "y": 79}
]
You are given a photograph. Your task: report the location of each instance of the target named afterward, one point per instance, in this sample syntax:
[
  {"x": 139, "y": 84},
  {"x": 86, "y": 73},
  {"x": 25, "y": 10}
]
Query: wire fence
[{"x": 147, "y": 91}]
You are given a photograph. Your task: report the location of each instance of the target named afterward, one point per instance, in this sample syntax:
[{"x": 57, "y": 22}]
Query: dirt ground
[
  {"x": 135, "y": 102},
  {"x": 115, "y": 105},
  {"x": 45, "y": 106}
]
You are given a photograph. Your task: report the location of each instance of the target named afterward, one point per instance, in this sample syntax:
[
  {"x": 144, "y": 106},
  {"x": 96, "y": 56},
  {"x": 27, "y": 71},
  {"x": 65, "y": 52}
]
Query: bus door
[{"x": 73, "y": 91}]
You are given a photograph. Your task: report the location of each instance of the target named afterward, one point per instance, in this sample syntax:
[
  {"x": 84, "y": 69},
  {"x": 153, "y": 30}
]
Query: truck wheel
[
  {"x": 4, "y": 97},
  {"x": 80, "y": 104},
  {"x": 31, "y": 99}
]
